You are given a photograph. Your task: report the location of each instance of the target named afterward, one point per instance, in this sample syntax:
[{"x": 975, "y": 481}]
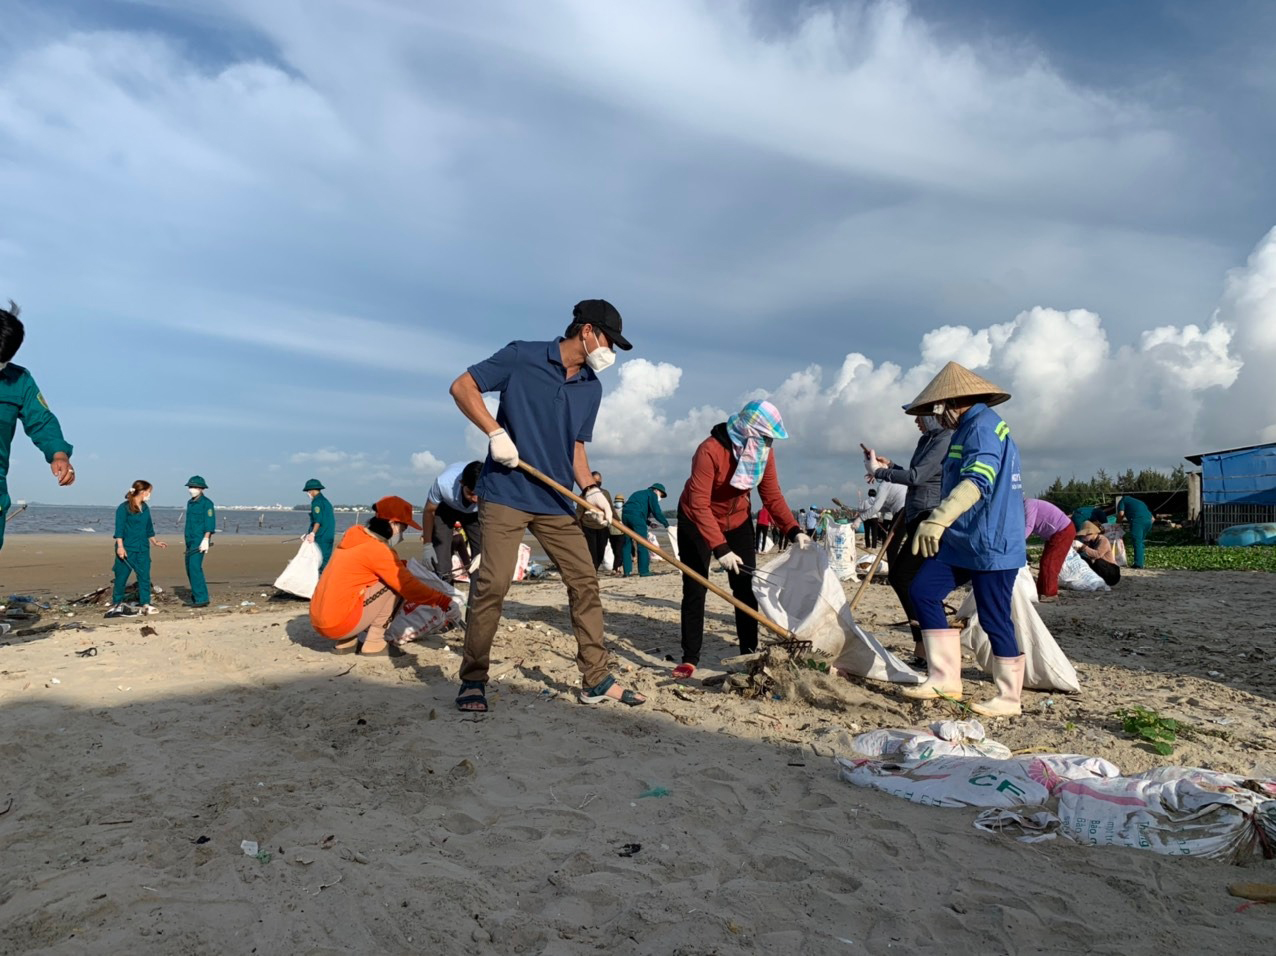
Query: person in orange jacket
[{"x": 365, "y": 580}]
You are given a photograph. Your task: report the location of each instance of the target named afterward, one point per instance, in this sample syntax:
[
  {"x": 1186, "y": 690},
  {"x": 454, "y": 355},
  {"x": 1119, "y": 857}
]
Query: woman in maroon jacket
[{"x": 714, "y": 517}]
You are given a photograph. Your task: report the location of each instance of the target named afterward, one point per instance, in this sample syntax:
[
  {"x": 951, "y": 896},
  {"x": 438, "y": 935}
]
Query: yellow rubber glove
[{"x": 960, "y": 500}]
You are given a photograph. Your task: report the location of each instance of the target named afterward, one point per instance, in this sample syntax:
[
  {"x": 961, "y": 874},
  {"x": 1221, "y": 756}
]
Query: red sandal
[{"x": 683, "y": 670}]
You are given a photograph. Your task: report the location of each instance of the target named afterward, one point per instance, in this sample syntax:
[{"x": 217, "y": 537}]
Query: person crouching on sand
[
  {"x": 362, "y": 585},
  {"x": 974, "y": 535},
  {"x": 134, "y": 535},
  {"x": 714, "y": 519}
]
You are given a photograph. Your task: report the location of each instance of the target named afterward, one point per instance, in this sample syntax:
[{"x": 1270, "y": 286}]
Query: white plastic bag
[
  {"x": 301, "y": 575},
  {"x": 865, "y": 561},
  {"x": 1046, "y": 667},
  {"x": 524, "y": 559},
  {"x": 412, "y": 622},
  {"x": 1076, "y": 575},
  {"x": 963, "y": 737},
  {"x": 839, "y": 542},
  {"x": 799, "y": 591},
  {"x": 1116, "y": 538}
]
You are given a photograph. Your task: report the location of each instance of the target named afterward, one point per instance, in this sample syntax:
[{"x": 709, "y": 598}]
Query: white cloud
[
  {"x": 423, "y": 463},
  {"x": 1078, "y": 403}
]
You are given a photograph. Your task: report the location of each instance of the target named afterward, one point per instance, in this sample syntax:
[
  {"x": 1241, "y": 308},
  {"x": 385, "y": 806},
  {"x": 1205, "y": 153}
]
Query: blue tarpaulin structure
[{"x": 1238, "y": 486}]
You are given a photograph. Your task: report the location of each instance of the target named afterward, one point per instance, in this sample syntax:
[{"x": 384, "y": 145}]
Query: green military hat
[
  {"x": 660, "y": 488},
  {"x": 314, "y": 484},
  {"x": 196, "y": 482}
]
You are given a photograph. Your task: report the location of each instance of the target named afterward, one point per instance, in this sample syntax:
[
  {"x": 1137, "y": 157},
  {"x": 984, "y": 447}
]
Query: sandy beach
[{"x": 395, "y": 824}]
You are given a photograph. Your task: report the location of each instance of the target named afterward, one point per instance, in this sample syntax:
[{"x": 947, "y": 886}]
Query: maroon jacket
[{"x": 714, "y": 506}]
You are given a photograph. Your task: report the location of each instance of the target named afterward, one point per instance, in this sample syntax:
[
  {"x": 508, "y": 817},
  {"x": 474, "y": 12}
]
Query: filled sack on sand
[
  {"x": 301, "y": 575},
  {"x": 839, "y": 542},
  {"x": 1076, "y": 575},
  {"x": 412, "y": 622},
  {"x": 1046, "y": 667},
  {"x": 800, "y": 592}
]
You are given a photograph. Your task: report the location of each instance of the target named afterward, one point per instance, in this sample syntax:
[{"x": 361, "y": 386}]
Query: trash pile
[{"x": 1174, "y": 811}]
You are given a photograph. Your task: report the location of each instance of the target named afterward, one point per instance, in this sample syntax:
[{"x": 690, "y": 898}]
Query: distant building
[{"x": 1234, "y": 486}]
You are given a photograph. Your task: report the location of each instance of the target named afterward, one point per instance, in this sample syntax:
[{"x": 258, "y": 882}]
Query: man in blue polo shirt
[{"x": 550, "y": 395}]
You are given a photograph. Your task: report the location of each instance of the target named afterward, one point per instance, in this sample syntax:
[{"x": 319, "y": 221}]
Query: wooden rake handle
[
  {"x": 872, "y": 569},
  {"x": 698, "y": 578}
]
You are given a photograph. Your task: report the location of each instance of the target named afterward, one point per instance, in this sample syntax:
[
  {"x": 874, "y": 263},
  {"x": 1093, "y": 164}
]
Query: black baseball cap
[{"x": 601, "y": 314}]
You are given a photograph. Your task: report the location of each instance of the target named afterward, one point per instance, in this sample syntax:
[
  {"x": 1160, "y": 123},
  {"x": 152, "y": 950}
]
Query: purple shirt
[{"x": 1043, "y": 519}]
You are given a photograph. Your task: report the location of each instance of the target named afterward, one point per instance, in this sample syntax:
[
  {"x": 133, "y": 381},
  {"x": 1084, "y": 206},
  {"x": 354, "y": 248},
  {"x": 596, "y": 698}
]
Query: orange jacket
[{"x": 362, "y": 559}]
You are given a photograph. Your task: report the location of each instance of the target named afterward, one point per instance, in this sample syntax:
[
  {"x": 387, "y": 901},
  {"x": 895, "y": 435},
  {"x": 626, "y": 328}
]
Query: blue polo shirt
[
  {"x": 990, "y": 536},
  {"x": 545, "y": 413}
]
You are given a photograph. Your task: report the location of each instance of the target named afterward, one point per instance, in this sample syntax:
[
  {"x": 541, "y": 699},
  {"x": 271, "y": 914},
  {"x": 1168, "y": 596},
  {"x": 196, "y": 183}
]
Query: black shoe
[{"x": 193, "y": 604}]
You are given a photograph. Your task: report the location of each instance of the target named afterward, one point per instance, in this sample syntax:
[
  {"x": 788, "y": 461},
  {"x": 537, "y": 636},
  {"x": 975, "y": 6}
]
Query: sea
[{"x": 100, "y": 520}]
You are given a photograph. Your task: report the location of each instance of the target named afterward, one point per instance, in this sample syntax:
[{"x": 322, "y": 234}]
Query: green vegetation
[
  {"x": 1159, "y": 732},
  {"x": 1209, "y": 558}
]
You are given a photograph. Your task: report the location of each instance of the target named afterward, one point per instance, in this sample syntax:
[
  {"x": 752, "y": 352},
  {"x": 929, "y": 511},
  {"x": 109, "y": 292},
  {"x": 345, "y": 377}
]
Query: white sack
[
  {"x": 412, "y": 622},
  {"x": 839, "y": 542},
  {"x": 524, "y": 559},
  {"x": 800, "y": 592},
  {"x": 955, "y": 781},
  {"x": 963, "y": 737},
  {"x": 1046, "y": 667},
  {"x": 1076, "y": 575},
  {"x": 865, "y": 561},
  {"x": 1173, "y": 811},
  {"x": 301, "y": 575}
]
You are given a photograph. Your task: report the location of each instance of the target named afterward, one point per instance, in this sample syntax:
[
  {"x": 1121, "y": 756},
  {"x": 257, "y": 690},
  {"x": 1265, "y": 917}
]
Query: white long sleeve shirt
[{"x": 889, "y": 501}]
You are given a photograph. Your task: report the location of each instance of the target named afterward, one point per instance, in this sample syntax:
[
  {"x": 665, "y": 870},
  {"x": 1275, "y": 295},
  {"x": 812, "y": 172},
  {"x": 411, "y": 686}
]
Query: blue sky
[{"x": 258, "y": 240}]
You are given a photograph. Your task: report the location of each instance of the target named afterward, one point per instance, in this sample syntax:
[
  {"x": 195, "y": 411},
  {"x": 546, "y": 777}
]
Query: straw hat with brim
[
  {"x": 953, "y": 382},
  {"x": 1088, "y": 529}
]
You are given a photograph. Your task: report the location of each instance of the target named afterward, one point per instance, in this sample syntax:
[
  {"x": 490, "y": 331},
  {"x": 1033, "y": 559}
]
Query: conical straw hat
[{"x": 956, "y": 381}]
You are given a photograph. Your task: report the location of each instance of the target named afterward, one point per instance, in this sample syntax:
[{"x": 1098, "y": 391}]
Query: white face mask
[
  {"x": 600, "y": 358},
  {"x": 195, "y": 492},
  {"x": 395, "y": 538}
]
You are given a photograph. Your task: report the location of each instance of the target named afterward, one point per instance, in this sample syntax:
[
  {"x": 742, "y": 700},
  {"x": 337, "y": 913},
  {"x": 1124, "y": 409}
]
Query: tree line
[{"x": 1073, "y": 493}]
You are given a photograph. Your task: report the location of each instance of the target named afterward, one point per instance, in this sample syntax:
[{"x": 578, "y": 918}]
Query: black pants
[
  {"x": 1110, "y": 573},
  {"x": 597, "y": 539},
  {"x": 874, "y": 532},
  {"x": 445, "y": 517},
  {"x": 617, "y": 542},
  {"x": 695, "y": 554},
  {"x": 902, "y": 567},
  {"x": 764, "y": 531}
]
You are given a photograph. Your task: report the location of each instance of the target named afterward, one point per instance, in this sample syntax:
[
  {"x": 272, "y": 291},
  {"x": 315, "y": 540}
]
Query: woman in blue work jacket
[
  {"x": 134, "y": 535},
  {"x": 974, "y": 535}
]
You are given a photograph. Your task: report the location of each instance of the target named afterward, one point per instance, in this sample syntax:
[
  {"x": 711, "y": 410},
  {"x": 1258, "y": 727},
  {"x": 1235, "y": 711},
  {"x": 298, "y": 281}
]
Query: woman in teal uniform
[
  {"x": 134, "y": 535},
  {"x": 21, "y": 401},
  {"x": 201, "y": 524},
  {"x": 323, "y": 524}
]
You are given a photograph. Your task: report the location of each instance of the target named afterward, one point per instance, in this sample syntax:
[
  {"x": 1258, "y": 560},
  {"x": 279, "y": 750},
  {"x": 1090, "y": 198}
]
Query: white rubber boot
[
  {"x": 943, "y": 657},
  {"x": 1008, "y": 673}
]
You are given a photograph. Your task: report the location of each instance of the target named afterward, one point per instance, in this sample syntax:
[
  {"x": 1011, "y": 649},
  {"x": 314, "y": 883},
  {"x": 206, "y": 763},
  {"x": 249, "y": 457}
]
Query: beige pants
[
  {"x": 565, "y": 544},
  {"x": 376, "y": 616}
]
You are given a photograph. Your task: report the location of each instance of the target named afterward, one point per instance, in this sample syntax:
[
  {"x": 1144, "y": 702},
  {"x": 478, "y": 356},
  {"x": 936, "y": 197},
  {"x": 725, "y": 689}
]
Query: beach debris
[
  {"x": 324, "y": 886},
  {"x": 87, "y": 652},
  {"x": 54, "y": 680},
  {"x": 249, "y": 847},
  {"x": 1258, "y": 892},
  {"x": 654, "y": 792},
  {"x": 629, "y": 849},
  {"x": 8, "y": 807},
  {"x": 354, "y": 856},
  {"x": 262, "y": 856},
  {"x": 148, "y": 631},
  {"x": 200, "y": 840},
  {"x": 247, "y": 603}
]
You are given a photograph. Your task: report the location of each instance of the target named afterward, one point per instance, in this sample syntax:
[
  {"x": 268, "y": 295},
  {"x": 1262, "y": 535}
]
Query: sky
[{"x": 257, "y": 241}]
